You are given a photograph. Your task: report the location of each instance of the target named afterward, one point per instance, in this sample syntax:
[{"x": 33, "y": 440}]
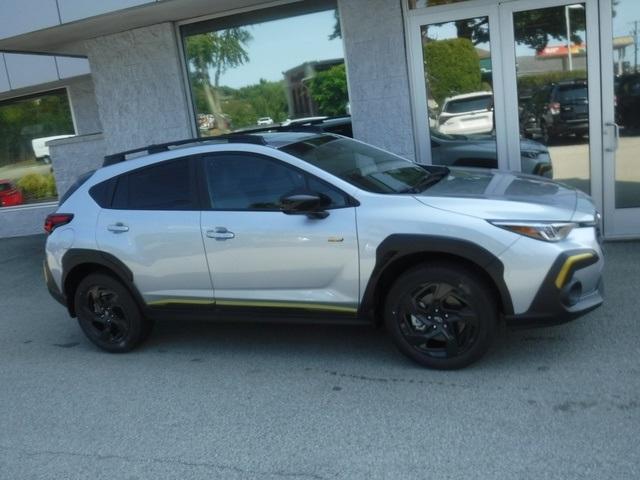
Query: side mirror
[{"x": 312, "y": 204}]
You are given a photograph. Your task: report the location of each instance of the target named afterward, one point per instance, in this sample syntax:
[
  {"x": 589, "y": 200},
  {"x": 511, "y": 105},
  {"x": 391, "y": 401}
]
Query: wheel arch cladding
[
  {"x": 397, "y": 253},
  {"x": 78, "y": 263}
]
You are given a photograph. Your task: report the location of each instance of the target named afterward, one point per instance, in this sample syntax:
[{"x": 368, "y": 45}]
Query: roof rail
[{"x": 165, "y": 147}]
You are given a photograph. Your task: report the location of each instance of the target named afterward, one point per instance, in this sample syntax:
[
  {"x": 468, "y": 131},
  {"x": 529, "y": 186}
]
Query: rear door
[
  {"x": 153, "y": 226},
  {"x": 261, "y": 257}
]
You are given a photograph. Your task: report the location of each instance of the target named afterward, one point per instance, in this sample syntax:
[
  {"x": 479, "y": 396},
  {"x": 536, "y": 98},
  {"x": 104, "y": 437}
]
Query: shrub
[
  {"x": 329, "y": 91},
  {"x": 35, "y": 186},
  {"x": 452, "y": 67}
]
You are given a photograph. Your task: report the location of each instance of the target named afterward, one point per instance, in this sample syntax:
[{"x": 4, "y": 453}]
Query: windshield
[
  {"x": 469, "y": 104},
  {"x": 361, "y": 165}
]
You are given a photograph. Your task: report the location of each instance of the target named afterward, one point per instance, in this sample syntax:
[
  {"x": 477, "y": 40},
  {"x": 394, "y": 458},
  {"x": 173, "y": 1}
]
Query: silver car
[{"x": 303, "y": 226}]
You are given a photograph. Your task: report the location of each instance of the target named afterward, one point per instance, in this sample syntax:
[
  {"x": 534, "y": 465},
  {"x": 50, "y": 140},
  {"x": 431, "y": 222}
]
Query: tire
[
  {"x": 441, "y": 315},
  {"x": 109, "y": 315}
]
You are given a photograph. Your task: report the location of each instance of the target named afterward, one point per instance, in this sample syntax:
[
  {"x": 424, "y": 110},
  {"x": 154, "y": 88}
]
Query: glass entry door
[
  {"x": 457, "y": 84},
  {"x": 513, "y": 84},
  {"x": 620, "y": 29}
]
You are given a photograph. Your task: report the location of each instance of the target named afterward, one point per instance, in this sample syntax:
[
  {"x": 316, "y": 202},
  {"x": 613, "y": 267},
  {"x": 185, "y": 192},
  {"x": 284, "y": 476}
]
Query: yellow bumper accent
[{"x": 566, "y": 268}]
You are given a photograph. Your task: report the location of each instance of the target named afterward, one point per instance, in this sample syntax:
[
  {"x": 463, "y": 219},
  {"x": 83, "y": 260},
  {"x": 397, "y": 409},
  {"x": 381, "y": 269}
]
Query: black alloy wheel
[
  {"x": 109, "y": 315},
  {"x": 442, "y": 316}
]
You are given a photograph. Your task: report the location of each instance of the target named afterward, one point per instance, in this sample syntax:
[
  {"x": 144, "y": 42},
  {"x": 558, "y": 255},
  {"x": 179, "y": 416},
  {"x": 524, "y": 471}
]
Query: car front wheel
[
  {"x": 441, "y": 315},
  {"x": 108, "y": 314}
]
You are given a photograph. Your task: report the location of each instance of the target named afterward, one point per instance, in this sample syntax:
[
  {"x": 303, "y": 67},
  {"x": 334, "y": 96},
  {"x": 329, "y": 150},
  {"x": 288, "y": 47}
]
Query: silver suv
[{"x": 307, "y": 226}]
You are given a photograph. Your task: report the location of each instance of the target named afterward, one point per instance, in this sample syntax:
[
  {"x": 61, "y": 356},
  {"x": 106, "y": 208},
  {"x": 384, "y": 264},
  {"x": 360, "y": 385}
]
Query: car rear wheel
[
  {"x": 108, "y": 314},
  {"x": 441, "y": 315}
]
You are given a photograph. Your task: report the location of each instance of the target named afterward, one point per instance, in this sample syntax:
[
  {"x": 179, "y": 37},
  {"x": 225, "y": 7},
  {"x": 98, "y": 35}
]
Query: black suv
[
  {"x": 628, "y": 100},
  {"x": 557, "y": 110}
]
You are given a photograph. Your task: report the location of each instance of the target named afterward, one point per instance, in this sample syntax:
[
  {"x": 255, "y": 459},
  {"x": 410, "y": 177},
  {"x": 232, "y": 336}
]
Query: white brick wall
[
  {"x": 139, "y": 87},
  {"x": 379, "y": 95}
]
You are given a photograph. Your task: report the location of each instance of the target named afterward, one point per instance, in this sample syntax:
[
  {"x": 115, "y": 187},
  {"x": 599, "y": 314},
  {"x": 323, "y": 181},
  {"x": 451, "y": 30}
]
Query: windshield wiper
[{"x": 430, "y": 179}]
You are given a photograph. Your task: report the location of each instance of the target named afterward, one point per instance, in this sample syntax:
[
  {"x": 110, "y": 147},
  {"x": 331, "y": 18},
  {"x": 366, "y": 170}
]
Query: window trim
[{"x": 203, "y": 180}]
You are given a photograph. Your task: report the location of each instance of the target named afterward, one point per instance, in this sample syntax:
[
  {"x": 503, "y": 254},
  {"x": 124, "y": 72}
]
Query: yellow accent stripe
[
  {"x": 273, "y": 304},
  {"x": 255, "y": 303},
  {"x": 180, "y": 301},
  {"x": 566, "y": 268}
]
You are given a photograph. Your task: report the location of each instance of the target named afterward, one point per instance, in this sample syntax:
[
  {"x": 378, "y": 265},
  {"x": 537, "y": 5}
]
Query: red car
[{"x": 9, "y": 194}]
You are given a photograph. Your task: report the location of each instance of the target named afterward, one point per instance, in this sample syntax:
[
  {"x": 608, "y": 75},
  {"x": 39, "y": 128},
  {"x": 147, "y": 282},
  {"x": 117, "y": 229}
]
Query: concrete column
[
  {"x": 375, "y": 54},
  {"x": 139, "y": 87},
  {"x": 84, "y": 106}
]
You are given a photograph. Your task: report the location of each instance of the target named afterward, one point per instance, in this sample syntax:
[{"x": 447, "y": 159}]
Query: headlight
[{"x": 546, "y": 231}]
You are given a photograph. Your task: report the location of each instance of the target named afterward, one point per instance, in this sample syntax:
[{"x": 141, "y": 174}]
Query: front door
[{"x": 262, "y": 257}]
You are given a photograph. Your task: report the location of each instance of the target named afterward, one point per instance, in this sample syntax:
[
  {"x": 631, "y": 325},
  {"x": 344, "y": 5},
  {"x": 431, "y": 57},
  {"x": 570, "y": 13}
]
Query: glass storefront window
[
  {"x": 26, "y": 125},
  {"x": 266, "y": 68}
]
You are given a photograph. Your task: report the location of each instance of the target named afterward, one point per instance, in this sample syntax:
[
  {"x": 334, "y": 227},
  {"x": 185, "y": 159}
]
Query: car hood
[
  {"x": 503, "y": 195},
  {"x": 488, "y": 143}
]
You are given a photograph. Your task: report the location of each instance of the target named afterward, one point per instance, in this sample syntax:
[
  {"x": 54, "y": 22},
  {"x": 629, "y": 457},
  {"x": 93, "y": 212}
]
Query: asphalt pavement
[{"x": 245, "y": 401}]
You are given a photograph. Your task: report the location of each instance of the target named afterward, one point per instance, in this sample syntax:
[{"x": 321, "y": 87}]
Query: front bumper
[{"x": 561, "y": 297}]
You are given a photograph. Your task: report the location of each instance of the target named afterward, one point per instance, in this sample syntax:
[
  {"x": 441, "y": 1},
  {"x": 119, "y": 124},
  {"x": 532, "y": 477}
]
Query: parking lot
[{"x": 245, "y": 401}]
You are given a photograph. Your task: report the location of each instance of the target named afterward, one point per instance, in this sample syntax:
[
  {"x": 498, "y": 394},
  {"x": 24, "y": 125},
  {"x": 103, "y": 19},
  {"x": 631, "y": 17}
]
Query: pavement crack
[{"x": 168, "y": 461}]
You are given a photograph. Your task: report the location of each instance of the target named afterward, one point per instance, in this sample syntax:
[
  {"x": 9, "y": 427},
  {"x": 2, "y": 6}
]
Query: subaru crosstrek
[{"x": 307, "y": 226}]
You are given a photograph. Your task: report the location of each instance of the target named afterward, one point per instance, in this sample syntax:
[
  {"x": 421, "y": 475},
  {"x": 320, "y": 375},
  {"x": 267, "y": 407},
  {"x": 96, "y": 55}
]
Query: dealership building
[{"x": 548, "y": 87}]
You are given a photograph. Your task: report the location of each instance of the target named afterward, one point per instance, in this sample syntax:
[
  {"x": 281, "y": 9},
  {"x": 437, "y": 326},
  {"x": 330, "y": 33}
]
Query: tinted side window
[
  {"x": 164, "y": 186},
  {"x": 250, "y": 182}
]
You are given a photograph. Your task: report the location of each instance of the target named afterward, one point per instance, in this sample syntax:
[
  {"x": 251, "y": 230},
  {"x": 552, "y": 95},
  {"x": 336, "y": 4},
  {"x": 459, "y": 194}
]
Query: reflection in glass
[
  {"x": 626, "y": 27},
  {"x": 267, "y": 72},
  {"x": 458, "y": 75},
  {"x": 26, "y": 124},
  {"x": 553, "y": 101},
  {"x": 431, "y": 3}
]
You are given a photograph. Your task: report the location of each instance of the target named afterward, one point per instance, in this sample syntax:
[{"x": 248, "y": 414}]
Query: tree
[
  {"x": 265, "y": 99},
  {"x": 328, "y": 89},
  {"x": 217, "y": 51},
  {"x": 534, "y": 28},
  {"x": 452, "y": 68}
]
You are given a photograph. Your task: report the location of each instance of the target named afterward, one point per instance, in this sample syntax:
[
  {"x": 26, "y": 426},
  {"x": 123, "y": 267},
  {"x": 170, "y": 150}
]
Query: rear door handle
[
  {"x": 118, "y": 228},
  {"x": 220, "y": 233}
]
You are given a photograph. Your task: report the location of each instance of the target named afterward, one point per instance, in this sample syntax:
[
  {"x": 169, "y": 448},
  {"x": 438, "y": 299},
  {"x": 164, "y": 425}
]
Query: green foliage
[
  {"x": 452, "y": 67},
  {"x": 35, "y": 186},
  {"x": 23, "y": 120},
  {"x": 328, "y": 89},
  {"x": 533, "y": 82},
  {"x": 245, "y": 105}
]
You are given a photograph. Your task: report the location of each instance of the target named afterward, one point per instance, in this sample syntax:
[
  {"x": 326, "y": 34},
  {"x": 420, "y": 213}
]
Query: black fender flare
[
  {"x": 77, "y": 257},
  {"x": 396, "y": 247}
]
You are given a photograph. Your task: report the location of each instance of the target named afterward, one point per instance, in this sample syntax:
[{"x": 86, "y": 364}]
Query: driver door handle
[{"x": 220, "y": 233}]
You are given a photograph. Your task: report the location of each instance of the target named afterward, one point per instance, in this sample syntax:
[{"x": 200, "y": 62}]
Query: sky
[{"x": 282, "y": 44}]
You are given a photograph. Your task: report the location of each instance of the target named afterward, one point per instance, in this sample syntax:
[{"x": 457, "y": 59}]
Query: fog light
[{"x": 573, "y": 294}]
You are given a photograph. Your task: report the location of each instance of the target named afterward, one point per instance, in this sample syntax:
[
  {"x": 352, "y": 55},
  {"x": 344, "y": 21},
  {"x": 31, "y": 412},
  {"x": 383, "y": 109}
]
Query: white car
[
  {"x": 467, "y": 114},
  {"x": 307, "y": 226},
  {"x": 265, "y": 121},
  {"x": 40, "y": 148}
]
